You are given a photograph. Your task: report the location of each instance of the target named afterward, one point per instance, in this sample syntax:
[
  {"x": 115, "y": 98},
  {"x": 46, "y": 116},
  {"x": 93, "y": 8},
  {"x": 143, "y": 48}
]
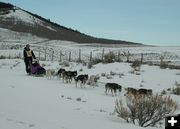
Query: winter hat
[{"x": 27, "y": 45}]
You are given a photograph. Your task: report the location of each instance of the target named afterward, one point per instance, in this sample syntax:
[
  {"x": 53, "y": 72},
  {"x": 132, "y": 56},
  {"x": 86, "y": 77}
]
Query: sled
[{"x": 37, "y": 70}]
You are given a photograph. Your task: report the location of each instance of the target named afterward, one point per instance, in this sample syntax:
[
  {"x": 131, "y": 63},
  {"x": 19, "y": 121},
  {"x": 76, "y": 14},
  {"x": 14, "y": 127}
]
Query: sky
[{"x": 152, "y": 22}]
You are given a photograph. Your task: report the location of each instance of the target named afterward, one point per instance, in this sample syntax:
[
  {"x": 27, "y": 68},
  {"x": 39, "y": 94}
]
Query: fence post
[
  {"x": 52, "y": 56},
  {"x": 70, "y": 56},
  {"x": 128, "y": 55},
  {"x": 90, "y": 58},
  {"x": 119, "y": 59},
  {"x": 60, "y": 56},
  {"x": 141, "y": 58},
  {"x": 79, "y": 60},
  {"x": 66, "y": 58},
  {"x": 45, "y": 54},
  {"x": 102, "y": 55},
  {"x": 39, "y": 55}
]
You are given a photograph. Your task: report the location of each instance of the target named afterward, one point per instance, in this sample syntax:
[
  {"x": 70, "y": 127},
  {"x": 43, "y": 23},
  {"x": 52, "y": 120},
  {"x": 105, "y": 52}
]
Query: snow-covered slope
[
  {"x": 21, "y": 16},
  {"x": 12, "y": 37}
]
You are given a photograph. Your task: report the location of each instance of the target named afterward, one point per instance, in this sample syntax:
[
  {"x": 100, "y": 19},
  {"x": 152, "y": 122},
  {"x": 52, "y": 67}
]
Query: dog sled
[{"x": 37, "y": 70}]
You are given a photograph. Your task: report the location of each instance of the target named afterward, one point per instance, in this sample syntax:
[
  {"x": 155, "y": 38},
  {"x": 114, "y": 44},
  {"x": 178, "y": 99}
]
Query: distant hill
[{"x": 19, "y": 20}]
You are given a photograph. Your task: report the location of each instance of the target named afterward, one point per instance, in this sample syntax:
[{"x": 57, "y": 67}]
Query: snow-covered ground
[
  {"x": 37, "y": 102},
  {"x": 40, "y": 103}
]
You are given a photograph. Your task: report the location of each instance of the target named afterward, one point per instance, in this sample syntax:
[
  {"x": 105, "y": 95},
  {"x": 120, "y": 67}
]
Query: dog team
[{"x": 83, "y": 79}]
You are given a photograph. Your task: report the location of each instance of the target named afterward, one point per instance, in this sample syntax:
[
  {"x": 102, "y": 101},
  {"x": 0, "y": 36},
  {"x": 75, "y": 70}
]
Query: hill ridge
[{"x": 47, "y": 28}]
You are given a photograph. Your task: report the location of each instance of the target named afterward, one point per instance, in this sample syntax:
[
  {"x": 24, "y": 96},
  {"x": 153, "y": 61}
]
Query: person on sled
[{"x": 28, "y": 58}]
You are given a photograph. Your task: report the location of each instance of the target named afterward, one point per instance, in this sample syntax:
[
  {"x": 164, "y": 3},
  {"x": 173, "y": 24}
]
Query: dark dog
[
  {"x": 82, "y": 78},
  {"x": 112, "y": 87},
  {"x": 145, "y": 91},
  {"x": 68, "y": 75},
  {"x": 135, "y": 93},
  {"x": 72, "y": 74},
  {"x": 132, "y": 91},
  {"x": 60, "y": 72}
]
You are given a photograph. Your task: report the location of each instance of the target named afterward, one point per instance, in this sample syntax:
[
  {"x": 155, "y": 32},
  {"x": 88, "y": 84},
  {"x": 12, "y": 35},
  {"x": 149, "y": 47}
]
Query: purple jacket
[{"x": 35, "y": 67}]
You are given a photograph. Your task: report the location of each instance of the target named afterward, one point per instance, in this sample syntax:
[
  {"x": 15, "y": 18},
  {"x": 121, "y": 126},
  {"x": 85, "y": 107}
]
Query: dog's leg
[
  {"x": 63, "y": 79},
  {"x": 106, "y": 90},
  {"x": 81, "y": 83},
  {"x": 112, "y": 92},
  {"x": 84, "y": 83},
  {"x": 76, "y": 83},
  {"x": 115, "y": 92}
]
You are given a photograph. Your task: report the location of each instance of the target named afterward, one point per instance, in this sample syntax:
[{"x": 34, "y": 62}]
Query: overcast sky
[{"x": 153, "y": 22}]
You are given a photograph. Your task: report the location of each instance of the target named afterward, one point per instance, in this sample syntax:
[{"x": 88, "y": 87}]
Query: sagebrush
[{"x": 145, "y": 110}]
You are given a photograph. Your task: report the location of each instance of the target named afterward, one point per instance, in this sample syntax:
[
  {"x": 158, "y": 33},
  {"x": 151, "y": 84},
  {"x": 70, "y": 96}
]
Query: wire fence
[{"x": 104, "y": 55}]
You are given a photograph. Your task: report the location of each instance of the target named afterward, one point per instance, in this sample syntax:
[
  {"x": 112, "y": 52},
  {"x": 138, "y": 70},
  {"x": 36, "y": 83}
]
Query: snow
[
  {"x": 50, "y": 28},
  {"x": 40, "y": 103},
  {"x": 12, "y": 38},
  {"x": 22, "y": 16}
]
